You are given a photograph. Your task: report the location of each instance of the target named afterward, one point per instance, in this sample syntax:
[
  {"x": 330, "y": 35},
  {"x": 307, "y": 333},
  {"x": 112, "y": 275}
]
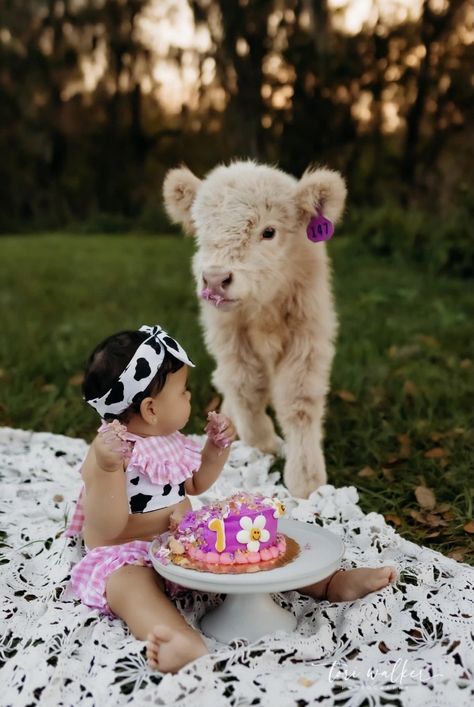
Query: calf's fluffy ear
[
  {"x": 323, "y": 190},
  {"x": 179, "y": 191}
]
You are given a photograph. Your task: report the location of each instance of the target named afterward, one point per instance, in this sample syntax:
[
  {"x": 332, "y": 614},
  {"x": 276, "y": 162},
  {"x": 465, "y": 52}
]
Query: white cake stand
[{"x": 248, "y": 610}]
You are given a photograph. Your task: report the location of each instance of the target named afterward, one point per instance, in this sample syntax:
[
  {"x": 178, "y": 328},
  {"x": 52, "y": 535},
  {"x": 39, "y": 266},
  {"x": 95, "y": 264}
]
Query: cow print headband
[{"x": 139, "y": 373}]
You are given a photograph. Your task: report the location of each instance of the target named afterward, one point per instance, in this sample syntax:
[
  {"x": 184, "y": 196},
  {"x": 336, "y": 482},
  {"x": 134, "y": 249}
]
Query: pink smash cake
[{"x": 238, "y": 534}]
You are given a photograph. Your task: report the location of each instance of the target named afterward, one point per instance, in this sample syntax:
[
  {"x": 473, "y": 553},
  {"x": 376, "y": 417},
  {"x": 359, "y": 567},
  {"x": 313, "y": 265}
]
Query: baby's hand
[
  {"x": 220, "y": 430},
  {"x": 111, "y": 448},
  {"x": 175, "y": 519}
]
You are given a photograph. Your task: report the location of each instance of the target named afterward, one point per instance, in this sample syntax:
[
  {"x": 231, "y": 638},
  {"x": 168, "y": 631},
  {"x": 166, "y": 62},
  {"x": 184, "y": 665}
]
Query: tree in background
[
  {"x": 86, "y": 127},
  {"x": 64, "y": 145},
  {"x": 321, "y": 93}
]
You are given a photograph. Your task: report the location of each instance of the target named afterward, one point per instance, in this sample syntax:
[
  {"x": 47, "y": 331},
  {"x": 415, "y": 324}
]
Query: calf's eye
[{"x": 268, "y": 233}]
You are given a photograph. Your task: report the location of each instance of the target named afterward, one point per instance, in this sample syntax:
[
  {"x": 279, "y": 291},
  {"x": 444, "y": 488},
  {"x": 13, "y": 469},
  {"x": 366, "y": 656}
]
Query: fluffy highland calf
[{"x": 267, "y": 307}]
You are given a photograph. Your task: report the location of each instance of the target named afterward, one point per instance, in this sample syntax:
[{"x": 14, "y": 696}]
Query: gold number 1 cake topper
[{"x": 217, "y": 525}]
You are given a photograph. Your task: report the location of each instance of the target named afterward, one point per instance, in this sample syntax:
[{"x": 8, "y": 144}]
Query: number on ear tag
[{"x": 319, "y": 228}]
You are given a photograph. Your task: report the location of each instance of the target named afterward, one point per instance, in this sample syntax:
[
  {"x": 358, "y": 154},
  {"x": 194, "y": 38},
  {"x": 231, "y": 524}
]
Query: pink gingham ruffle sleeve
[{"x": 169, "y": 459}]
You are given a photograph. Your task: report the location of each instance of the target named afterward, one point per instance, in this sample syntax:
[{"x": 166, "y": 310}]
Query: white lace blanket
[{"x": 411, "y": 644}]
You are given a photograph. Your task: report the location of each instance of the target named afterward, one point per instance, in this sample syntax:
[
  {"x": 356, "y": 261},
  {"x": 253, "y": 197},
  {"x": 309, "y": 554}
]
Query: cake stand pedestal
[
  {"x": 246, "y": 616},
  {"x": 248, "y": 610}
]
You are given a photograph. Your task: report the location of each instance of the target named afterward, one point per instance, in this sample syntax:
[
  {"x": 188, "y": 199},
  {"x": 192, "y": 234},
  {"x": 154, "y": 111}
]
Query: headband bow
[{"x": 140, "y": 371}]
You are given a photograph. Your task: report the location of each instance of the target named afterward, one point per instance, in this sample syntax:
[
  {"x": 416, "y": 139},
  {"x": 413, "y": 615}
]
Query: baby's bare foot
[
  {"x": 353, "y": 584},
  {"x": 168, "y": 649}
]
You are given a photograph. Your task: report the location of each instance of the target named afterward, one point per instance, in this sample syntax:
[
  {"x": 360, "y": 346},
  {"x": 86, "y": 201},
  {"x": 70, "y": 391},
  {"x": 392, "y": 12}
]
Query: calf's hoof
[
  {"x": 268, "y": 444},
  {"x": 301, "y": 483}
]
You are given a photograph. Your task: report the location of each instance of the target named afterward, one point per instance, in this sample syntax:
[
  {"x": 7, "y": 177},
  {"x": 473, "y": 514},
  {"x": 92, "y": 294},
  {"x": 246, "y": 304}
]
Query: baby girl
[{"x": 138, "y": 474}]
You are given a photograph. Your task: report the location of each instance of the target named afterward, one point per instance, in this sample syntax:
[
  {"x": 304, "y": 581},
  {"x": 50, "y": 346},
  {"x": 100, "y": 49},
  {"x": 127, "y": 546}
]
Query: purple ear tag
[{"x": 319, "y": 228}]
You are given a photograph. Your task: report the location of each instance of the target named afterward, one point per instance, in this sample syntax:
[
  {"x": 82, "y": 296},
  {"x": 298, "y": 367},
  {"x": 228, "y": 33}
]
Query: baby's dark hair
[{"x": 110, "y": 358}]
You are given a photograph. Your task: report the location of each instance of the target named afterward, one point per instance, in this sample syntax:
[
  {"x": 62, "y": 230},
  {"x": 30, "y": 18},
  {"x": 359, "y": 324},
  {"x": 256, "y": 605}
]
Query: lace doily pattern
[{"x": 410, "y": 645}]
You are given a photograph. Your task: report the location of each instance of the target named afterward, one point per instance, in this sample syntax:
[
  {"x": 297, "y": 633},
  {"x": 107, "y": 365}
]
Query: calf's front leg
[
  {"x": 244, "y": 386},
  {"x": 299, "y": 395}
]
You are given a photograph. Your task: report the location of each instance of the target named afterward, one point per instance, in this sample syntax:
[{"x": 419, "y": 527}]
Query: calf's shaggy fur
[{"x": 269, "y": 319}]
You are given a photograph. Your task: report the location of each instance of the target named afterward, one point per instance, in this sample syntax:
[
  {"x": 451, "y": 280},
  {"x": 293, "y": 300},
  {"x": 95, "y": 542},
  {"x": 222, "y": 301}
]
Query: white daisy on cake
[{"x": 253, "y": 533}]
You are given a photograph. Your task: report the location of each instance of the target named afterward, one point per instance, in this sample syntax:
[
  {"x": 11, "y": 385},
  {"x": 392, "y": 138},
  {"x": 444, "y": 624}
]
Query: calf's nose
[{"x": 217, "y": 280}]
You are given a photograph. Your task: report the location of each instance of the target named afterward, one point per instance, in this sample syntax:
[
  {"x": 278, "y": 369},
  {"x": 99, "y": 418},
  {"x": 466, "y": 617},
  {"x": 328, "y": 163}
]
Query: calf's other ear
[
  {"x": 323, "y": 190},
  {"x": 179, "y": 191}
]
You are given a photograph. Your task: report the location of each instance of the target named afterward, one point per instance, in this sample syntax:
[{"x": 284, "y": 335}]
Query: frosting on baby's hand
[
  {"x": 215, "y": 429},
  {"x": 114, "y": 434}
]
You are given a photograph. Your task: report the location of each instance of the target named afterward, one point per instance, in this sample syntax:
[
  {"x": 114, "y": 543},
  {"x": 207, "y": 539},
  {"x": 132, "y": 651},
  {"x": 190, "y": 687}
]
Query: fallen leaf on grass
[
  {"x": 455, "y": 432},
  {"x": 346, "y": 395},
  {"x": 392, "y": 459},
  {"x": 425, "y": 497},
  {"x": 436, "y": 453},
  {"x": 49, "y": 388},
  {"x": 366, "y": 472},
  {"x": 391, "y": 518},
  {"x": 466, "y": 363},
  {"x": 442, "y": 508},
  {"x": 469, "y": 527},
  {"x": 457, "y": 554},
  {"x": 448, "y": 515},
  {"x": 410, "y": 390},
  {"x": 418, "y": 516},
  {"x": 405, "y": 446},
  {"x": 76, "y": 379},
  {"x": 432, "y": 520},
  {"x": 388, "y": 474},
  {"x": 435, "y": 520}
]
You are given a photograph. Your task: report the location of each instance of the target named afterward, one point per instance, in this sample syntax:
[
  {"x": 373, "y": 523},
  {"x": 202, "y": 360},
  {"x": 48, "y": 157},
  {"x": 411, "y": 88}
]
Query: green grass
[{"x": 404, "y": 354}]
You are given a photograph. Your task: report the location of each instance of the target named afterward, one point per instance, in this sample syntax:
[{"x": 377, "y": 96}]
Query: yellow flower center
[{"x": 255, "y": 534}]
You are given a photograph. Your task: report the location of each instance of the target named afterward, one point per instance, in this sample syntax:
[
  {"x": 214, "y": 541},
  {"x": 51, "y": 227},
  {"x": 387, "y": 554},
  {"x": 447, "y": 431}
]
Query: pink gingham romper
[{"x": 156, "y": 472}]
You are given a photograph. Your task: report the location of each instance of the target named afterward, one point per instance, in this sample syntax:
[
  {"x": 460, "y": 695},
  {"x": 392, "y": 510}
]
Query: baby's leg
[
  {"x": 347, "y": 585},
  {"x": 135, "y": 594}
]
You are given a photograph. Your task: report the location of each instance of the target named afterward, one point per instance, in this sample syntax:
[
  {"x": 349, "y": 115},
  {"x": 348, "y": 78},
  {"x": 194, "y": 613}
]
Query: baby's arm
[
  {"x": 214, "y": 455},
  {"x": 105, "y": 499}
]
